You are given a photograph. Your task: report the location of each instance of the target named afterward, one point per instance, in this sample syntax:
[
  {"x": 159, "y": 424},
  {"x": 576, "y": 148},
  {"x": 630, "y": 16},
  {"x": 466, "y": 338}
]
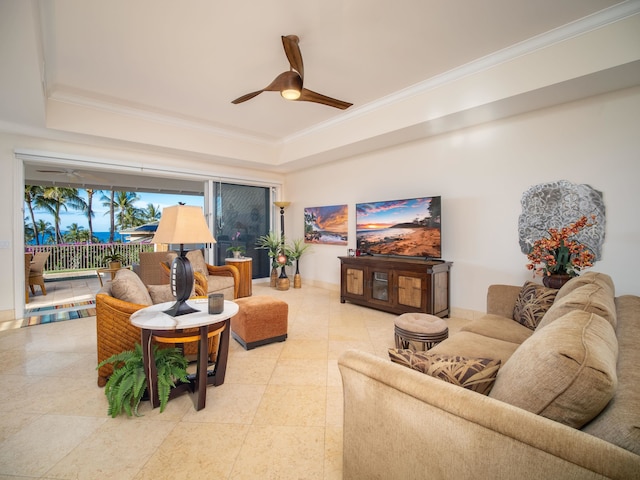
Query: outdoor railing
[{"x": 87, "y": 256}]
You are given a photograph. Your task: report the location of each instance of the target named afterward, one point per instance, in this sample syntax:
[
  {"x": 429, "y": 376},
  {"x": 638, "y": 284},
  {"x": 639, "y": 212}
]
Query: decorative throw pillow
[
  {"x": 477, "y": 374},
  {"x": 565, "y": 371},
  {"x": 127, "y": 286},
  {"x": 532, "y": 303},
  {"x": 161, "y": 293}
]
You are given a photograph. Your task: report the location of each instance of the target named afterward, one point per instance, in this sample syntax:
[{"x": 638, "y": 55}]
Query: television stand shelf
[{"x": 396, "y": 285}]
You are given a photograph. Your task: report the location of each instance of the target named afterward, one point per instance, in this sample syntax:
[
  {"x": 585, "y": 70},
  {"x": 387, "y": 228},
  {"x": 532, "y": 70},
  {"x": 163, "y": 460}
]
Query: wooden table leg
[
  {"x": 150, "y": 368},
  {"x": 201, "y": 368},
  {"x": 220, "y": 370}
]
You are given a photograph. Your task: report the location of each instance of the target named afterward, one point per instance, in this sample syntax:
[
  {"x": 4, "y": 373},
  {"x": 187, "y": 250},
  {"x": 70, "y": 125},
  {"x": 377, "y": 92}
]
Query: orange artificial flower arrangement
[{"x": 558, "y": 254}]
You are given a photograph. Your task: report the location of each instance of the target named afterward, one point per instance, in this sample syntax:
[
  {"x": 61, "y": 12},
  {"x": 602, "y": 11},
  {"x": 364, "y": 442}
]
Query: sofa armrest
[
  {"x": 501, "y": 299},
  {"x": 227, "y": 271},
  {"x": 399, "y": 423}
]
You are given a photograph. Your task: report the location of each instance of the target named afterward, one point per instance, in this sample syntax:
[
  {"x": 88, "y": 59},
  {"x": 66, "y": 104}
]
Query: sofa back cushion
[
  {"x": 128, "y": 286},
  {"x": 565, "y": 371},
  {"x": 588, "y": 278},
  {"x": 588, "y": 297},
  {"x": 619, "y": 423}
]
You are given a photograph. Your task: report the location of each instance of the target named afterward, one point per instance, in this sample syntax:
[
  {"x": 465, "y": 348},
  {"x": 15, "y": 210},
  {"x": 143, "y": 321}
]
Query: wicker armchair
[{"x": 36, "y": 272}]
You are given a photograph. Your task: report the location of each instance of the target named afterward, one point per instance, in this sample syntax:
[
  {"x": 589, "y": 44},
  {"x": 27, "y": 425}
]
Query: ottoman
[
  {"x": 420, "y": 327},
  {"x": 260, "y": 320}
]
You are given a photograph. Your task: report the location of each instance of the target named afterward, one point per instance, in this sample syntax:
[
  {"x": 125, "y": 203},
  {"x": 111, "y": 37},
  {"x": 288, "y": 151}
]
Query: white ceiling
[{"x": 81, "y": 69}]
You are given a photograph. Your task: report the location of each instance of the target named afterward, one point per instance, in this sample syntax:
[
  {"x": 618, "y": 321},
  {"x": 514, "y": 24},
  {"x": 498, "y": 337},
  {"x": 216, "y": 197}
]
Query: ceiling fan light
[{"x": 290, "y": 94}]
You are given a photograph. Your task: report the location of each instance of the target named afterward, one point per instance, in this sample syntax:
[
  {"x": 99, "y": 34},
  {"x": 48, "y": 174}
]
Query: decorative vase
[
  {"x": 274, "y": 277},
  {"x": 236, "y": 254},
  {"x": 283, "y": 283},
  {"x": 556, "y": 280},
  {"x": 297, "y": 280},
  {"x": 115, "y": 265}
]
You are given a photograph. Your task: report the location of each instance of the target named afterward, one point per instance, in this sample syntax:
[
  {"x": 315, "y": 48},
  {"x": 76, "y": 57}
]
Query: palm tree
[
  {"x": 152, "y": 213},
  {"x": 127, "y": 214},
  {"x": 75, "y": 233},
  {"x": 110, "y": 202},
  {"x": 31, "y": 193},
  {"x": 45, "y": 229},
  {"x": 90, "y": 212},
  {"x": 54, "y": 199}
]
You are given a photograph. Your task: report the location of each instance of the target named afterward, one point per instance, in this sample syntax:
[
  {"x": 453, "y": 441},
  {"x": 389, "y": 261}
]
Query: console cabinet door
[
  {"x": 411, "y": 291},
  {"x": 379, "y": 283},
  {"x": 353, "y": 285}
]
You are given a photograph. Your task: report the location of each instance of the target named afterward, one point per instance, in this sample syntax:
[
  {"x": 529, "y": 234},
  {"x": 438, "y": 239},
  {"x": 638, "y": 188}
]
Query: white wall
[{"x": 481, "y": 174}]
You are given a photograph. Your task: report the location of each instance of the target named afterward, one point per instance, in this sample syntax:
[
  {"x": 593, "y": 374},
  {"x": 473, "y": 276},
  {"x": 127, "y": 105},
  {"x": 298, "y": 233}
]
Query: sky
[{"x": 101, "y": 218}]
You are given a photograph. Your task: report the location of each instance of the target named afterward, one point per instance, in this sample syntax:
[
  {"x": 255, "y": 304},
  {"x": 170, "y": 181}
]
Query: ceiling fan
[
  {"x": 72, "y": 175},
  {"x": 289, "y": 84}
]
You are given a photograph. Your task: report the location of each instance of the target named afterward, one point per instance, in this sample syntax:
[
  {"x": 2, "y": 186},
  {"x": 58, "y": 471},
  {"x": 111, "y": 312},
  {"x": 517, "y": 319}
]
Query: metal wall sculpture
[{"x": 556, "y": 205}]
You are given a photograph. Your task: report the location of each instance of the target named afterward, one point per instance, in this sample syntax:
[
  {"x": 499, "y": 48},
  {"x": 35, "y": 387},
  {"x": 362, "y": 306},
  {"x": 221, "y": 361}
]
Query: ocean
[{"x": 103, "y": 237}]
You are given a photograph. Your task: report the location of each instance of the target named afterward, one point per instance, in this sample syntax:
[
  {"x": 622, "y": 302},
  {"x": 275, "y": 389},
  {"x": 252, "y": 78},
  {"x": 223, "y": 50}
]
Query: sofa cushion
[
  {"x": 502, "y": 328},
  {"x": 473, "y": 345},
  {"x": 565, "y": 371},
  {"x": 160, "y": 293},
  {"x": 619, "y": 422},
  {"x": 592, "y": 298},
  {"x": 587, "y": 278},
  {"x": 532, "y": 303},
  {"x": 128, "y": 286},
  {"x": 477, "y": 374}
]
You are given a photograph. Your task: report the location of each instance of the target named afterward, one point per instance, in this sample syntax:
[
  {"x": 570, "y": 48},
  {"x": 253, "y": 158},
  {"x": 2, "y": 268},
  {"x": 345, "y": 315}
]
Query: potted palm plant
[
  {"x": 272, "y": 243},
  {"x": 113, "y": 258},
  {"x": 128, "y": 383}
]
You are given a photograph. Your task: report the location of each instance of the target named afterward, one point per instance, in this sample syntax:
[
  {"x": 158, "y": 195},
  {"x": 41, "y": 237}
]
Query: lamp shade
[{"x": 182, "y": 224}]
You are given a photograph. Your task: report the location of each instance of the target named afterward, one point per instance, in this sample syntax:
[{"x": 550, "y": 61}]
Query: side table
[
  {"x": 155, "y": 323},
  {"x": 245, "y": 267}
]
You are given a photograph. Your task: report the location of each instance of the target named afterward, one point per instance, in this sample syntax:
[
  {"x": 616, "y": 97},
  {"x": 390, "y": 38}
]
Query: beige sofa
[{"x": 580, "y": 366}]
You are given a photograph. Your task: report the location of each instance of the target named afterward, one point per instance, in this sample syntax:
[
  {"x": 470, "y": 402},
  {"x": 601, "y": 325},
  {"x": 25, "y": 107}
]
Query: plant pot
[
  {"x": 556, "y": 280},
  {"x": 237, "y": 254},
  {"x": 274, "y": 277},
  {"x": 115, "y": 265},
  {"x": 297, "y": 281}
]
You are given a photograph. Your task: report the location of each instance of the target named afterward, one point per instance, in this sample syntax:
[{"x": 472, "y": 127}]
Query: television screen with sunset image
[{"x": 400, "y": 227}]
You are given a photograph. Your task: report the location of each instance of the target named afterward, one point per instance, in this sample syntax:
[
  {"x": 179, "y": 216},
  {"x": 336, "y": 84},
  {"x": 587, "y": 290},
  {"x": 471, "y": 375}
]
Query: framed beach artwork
[{"x": 326, "y": 225}]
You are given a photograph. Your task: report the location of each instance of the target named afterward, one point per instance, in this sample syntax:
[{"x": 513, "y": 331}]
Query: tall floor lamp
[
  {"x": 282, "y": 257},
  {"x": 182, "y": 224}
]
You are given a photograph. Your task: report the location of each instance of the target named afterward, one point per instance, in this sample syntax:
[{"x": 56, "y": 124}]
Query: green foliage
[
  {"x": 127, "y": 384},
  {"x": 239, "y": 248},
  {"x": 297, "y": 247},
  {"x": 112, "y": 255}
]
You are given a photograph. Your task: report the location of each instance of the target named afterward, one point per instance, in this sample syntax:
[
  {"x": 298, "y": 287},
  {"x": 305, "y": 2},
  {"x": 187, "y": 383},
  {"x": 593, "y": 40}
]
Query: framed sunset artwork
[{"x": 326, "y": 225}]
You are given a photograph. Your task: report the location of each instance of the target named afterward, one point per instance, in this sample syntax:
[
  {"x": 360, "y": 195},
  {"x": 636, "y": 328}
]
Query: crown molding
[{"x": 533, "y": 44}]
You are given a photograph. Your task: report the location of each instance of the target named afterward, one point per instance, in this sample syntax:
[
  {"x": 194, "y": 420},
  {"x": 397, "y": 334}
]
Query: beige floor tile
[
  {"x": 333, "y": 453},
  {"x": 292, "y": 405},
  {"x": 229, "y": 403},
  {"x": 304, "y": 349},
  {"x": 250, "y": 370},
  {"x": 130, "y": 443},
  {"x": 300, "y": 372},
  {"x": 43, "y": 443},
  {"x": 282, "y": 453}
]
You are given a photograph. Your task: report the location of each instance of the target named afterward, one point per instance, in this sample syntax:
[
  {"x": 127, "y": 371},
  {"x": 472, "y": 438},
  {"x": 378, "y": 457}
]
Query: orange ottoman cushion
[{"x": 260, "y": 320}]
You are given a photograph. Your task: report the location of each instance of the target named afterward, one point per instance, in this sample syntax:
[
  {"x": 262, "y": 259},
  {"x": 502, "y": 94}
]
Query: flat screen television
[{"x": 408, "y": 227}]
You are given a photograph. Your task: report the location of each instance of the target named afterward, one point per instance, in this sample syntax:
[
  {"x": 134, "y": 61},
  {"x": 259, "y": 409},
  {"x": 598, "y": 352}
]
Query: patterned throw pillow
[
  {"x": 477, "y": 374},
  {"x": 533, "y": 302}
]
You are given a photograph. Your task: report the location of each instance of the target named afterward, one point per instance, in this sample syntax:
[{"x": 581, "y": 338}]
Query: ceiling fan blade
[
  {"x": 292, "y": 50},
  {"x": 246, "y": 97},
  {"x": 309, "y": 96}
]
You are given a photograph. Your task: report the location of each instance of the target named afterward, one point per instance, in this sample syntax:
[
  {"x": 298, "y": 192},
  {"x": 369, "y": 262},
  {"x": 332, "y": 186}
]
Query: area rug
[{"x": 59, "y": 313}]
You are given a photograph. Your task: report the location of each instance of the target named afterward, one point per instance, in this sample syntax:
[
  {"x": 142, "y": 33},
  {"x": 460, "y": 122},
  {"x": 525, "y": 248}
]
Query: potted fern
[
  {"x": 272, "y": 243},
  {"x": 128, "y": 383}
]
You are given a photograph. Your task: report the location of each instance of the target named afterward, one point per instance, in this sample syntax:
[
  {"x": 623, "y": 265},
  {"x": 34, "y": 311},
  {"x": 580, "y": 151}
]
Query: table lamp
[{"x": 182, "y": 224}]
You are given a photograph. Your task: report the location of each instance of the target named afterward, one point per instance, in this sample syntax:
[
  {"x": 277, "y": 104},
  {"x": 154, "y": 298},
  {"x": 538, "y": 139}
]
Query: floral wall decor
[
  {"x": 557, "y": 205},
  {"x": 326, "y": 225}
]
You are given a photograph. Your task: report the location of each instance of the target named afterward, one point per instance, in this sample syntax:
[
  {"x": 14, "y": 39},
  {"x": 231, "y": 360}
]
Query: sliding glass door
[{"x": 241, "y": 214}]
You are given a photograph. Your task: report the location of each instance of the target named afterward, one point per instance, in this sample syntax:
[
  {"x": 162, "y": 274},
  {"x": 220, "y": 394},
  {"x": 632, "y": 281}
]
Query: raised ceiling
[{"x": 161, "y": 74}]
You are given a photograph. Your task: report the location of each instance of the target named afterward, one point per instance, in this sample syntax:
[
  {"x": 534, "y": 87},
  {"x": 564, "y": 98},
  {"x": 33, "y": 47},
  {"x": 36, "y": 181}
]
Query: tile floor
[{"x": 277, "y": 416}]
